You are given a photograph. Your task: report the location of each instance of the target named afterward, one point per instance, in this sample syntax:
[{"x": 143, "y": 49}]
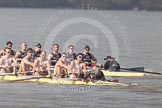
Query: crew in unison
[{"x": 30, "y": 61}]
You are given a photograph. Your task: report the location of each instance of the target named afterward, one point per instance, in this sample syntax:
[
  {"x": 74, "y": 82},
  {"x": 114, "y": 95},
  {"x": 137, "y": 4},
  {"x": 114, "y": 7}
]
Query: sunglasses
[
  {"x": 9, "y": 45},
  {"x": 87, "y": 49},
  {"x": 71, "y": 48},
  {"x": 79, "y": 56},
  {"x": 64, "y": 56}
]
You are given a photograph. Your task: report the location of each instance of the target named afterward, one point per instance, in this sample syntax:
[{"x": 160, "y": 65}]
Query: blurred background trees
[{"x": 100, "y": 4}]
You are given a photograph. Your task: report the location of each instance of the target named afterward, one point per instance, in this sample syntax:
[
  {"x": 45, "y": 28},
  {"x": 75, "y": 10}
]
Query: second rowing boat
[{"x": 123, "y": 73}]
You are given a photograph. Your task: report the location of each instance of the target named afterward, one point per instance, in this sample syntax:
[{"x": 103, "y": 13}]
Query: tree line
[{"x": 100, "y": 4}]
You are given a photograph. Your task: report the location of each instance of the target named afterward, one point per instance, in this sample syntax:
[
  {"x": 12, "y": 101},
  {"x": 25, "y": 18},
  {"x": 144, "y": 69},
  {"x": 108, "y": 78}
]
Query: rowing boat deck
[
  {"x": 60, "y": 81},
  {"x": 120, "y": 73}
]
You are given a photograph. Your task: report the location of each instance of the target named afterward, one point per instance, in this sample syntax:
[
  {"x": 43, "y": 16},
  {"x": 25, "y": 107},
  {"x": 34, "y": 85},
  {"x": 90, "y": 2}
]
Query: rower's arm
[
  {"x": 84, "y": 66},
  {"x": 93, "y": 58},
  {"x": 15, "y": 62},
  {"x": 72, "y": 66},
  {"x": 48, "y": 67},
  {"x": 85, "y": 69},
  {"x": 28, "y": 63},
  {"x": 35, "y": 64},
  {"x": 1, "y": 59},
  {"x": 66, "y": 67},
  {"x": 49, "y": 57},
  {"x": 17, "y": 54},
  {"x": 2, "y": 52}
]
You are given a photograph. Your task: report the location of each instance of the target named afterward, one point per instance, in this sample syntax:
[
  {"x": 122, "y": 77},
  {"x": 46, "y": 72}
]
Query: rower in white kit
[
  {"x": 7, "y": 62},
  {"x": 41, "y": 65},
  {"x": 79, "y": 69}
]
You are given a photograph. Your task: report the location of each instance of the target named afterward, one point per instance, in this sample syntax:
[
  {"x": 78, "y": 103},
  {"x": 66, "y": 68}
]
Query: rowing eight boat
[{"x": 62, "y": 81}]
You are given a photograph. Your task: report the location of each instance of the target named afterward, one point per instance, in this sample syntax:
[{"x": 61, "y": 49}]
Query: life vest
[
  {"x": 98, "y": 76},
  {"x": 71, "y": 57},
  {"x": 114, "y": 66}
]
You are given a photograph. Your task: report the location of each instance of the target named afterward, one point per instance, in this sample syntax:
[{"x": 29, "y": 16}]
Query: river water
[{"x": 133, "y": 37}]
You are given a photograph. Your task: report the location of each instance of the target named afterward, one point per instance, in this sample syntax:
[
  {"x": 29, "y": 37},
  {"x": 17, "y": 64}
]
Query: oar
[
  {"x": 4, "y": 74},
  {"x": 29, "y": 78},
  {"x": 136, "y": 69},
  {"x": 157, "y": 73},
  {"x": 140, "y": 69},
  {"x": 7, "y": 66},
  {"x": 33, "y": 71},
  {"x": 25, "y": 72}
]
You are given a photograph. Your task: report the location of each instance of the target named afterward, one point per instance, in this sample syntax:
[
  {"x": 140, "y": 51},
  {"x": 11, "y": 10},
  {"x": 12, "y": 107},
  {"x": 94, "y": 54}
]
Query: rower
[
  {"x": 8, "y": 62},
  {"x": 88, "y": 57},
  {"x": 55, "y": 55},
  {"x": 71, "y": 56},
  {"x": 27, "y": 62},
  {"x": 22, "y": 53},
  {"x": 79, "y": 69},
  {"x": 8, "y": 45},
  {"x": 111, "y": 64},
  {"x": 61, "y": 66},
  {"x": 42, "y": 65},
  {"x": 37, "y": 50}
]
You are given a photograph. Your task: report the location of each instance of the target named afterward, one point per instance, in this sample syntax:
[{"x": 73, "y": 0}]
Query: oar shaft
[
  {"x": 7, "y": 66},
  {"x": 29, "y": 78},
  {"x": 140, "y": 69},
  {"x": 3, "y": 74}
]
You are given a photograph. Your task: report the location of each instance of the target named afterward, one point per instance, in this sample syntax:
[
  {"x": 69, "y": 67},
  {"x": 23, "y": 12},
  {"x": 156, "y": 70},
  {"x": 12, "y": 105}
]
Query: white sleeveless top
[
  {"x": 42, "y": 64},
  {"x": 77, "y": 68},
  {"x": 6, "y": 61}
]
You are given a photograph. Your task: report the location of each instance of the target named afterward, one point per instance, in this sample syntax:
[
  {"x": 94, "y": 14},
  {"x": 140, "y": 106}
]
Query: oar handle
[{"x": 7, "y": 66}]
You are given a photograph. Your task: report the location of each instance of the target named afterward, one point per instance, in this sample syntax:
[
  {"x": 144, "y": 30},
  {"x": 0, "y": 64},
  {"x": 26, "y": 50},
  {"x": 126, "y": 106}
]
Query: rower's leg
[
  {"x": 22, "y": 68},
  {"x": 2, "y": 71},
  {"x": 13, "y": 69},
  {"x": 85, "y": 74},
  {"x": 73, "y": 76},
  {"x": 58, "y": 71}
]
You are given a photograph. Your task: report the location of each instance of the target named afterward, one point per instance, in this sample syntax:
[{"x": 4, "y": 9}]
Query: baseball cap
[
  {"x": 87, "y": 47},
  {"x": 107, "y": 57},
  {"x": 38, "y": 45}
]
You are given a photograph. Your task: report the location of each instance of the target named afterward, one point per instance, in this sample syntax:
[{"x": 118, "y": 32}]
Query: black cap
[
  {"x": 107, "y": 57},
  {"x": 87, "y": 47},
  {"x": 38, "y": 45}
]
